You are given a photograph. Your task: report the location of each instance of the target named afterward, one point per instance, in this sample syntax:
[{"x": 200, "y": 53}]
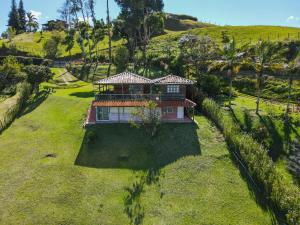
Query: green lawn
[{"x": 52, "y": 172}]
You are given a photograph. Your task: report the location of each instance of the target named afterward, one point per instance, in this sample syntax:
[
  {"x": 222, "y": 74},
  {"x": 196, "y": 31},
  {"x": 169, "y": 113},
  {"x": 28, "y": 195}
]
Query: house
[{"x": 117, "y": 96}]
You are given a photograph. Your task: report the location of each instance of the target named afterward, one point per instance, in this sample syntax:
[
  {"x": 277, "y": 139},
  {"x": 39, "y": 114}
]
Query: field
[
  {"x": 33, "y": 42},
  {"x": 242, "y": 34},
  {"x": 53, "y": 172},
  {"x": 269, "y": 128}
]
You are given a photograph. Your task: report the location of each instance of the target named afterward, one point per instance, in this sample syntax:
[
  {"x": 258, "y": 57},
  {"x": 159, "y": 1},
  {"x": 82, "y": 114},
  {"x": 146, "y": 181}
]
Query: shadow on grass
[
  {"x": 277, "y": 147},
  {"x": 255, "y": 190},
  {"x": 35, "y": 102},
  {"x": 121, "y": 146},
  {"x": 89, "y": 94}
]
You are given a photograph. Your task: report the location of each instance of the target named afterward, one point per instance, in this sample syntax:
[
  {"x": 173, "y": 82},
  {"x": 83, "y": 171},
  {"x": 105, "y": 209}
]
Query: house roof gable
[
  {"x": 125, "y": 78},
  {"x": 131, "y": 78},
  {"x": 173, "y": 79}
]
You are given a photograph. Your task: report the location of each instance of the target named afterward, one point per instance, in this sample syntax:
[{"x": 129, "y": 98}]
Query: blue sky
[{"x": 222, "y": 12}]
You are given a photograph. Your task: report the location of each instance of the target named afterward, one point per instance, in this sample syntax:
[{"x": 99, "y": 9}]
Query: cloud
[
  {"x": 292, "y": 18},
  {"x": 36, "y": 14}
]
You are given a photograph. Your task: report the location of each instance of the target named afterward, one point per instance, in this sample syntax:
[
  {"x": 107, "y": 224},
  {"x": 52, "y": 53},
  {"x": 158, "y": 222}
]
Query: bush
[
  {"x": 37, "y": 75},
  {"x": 211, "y": 84},
  {"x": 10, "y": 73},
  {"x": 91, "y": 137},
  {"x": 284, "y": 196},
  {"x": 121, "y": 59},
  {"x": 23, "y": 92}
]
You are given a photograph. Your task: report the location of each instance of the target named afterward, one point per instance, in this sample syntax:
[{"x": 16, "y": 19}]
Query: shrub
[
  {"x": 37, "y": 75},
  {"x": 121, "y": 59},
  {"x": 91, "y": 137},
  {"x": 210, "y": 84},
  {"x": 284, "y": 196},
  {"x": 23, "y": 92},
  {"x": 51, "y": 48}
]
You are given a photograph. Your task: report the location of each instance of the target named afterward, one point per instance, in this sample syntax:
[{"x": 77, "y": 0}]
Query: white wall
[{"x": 180, "y": 112}]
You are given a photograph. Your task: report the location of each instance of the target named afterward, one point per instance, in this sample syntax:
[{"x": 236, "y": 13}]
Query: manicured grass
[{"x": 51, "y": 174}]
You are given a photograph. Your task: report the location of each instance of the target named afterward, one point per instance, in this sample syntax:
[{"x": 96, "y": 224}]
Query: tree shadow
[
  {"x": 121, "y": 146},
  {"x": 35, "y": 102},
  {"x": 256, "y": 189},
  {"x": 89, "y": 94},
  {"x": 277, "y": 147}
]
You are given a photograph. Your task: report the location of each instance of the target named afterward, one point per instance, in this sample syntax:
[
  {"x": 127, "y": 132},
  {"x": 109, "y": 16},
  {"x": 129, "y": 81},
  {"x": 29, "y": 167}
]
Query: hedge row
[
  {"x": 31, "y": 60},
  {"x": 23, "y": 93},
  {"x": 284, "y": 196}
]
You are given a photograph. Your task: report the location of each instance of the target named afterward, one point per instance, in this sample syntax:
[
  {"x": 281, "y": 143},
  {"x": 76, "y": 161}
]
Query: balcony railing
[{"x": 139, "y": 97}]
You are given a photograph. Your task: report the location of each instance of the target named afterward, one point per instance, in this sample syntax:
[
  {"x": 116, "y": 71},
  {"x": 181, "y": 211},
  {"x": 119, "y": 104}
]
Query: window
[
  {"x": 167, "y": 110},
  {"x": 173, "y": 88},
  {"x": 102, "y": 113}
]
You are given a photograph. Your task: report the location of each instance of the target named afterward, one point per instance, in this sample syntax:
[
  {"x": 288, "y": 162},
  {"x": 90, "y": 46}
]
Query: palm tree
[
  {"x": 32, "y": 23},
  {"x": 292, "y": 69},
  {"x": 265, "y": 54},
  {"x": 231, "y": 61}
]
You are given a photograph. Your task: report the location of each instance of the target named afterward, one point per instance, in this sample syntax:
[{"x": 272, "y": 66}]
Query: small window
[
  {"x": 167, "y": 110},
  {"x": 173, "y": 88}
]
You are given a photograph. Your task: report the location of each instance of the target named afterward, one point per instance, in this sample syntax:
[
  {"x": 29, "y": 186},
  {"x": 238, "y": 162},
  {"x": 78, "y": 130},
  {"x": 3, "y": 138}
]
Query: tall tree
[
  {"x": 13, "y": 17},
  {"x": 265, "y": 55},
  {"x": 292, "y": 69},
  {"x": 138, "y": 21},
  {"x": 232, "y": 59},
  {"x": 22, "y": 16},
  {"x": 32, "y": 23},
  {"x": 196, "y": 51},
  {"x": 109, "y": 38}
]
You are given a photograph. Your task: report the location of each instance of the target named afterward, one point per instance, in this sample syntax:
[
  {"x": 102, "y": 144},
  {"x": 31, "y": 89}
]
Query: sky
[{"x": 221, "y": 12}]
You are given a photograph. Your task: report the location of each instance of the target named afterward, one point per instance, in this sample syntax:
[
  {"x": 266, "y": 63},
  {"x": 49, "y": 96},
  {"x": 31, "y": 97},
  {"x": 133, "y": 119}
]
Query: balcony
[{"x": 139, "y": 97}]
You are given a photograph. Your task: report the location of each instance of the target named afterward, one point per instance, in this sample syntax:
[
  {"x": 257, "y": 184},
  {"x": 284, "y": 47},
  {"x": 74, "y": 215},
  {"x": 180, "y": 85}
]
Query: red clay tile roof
[
  {"x": 172, "y": 79},
  {"x": 177, "y": 103},
  {"x": 125, "y": 78}
]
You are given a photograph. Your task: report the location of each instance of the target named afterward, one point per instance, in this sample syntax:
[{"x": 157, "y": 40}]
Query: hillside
[
  {"x": 33, "y": 42},
  {"x": 242, "y": 34},
  {"x": 175, "y": 22}
]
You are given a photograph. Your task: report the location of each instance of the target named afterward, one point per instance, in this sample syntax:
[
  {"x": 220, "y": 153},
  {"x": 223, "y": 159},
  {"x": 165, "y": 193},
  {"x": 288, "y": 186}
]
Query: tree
[
  {"x": 10, "y": 72},
  {"x": 22, "y": 17},
  {"x": 148, "y": 117},
  {"x": 231, "y": 61},
  {"x": 121, "y": 59},
  {"x": 69, "y": 41},
  {"x": 32, "y": 23},
  {"x": 196, "y": 52},
  {"x": 51, "y": 47},
  {"x": 137, "y": 22},
  {"x": 37, "y": 74},
  {"x": 109, "y": 38},
  {"x": 265, "y": 54},
  {"x": 292, "y": 69},
  {"x": 13, "y": 17},
  {"x": 11, "y": 33}
]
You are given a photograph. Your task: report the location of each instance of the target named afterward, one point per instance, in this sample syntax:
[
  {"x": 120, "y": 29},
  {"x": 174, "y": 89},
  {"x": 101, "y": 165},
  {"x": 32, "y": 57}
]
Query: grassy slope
[
  {"x": 33, "y": 43},
  {"x": 270, "y": 118},
  {"x": 242, "y": 34},
  {"x": 85, "y": 184}
]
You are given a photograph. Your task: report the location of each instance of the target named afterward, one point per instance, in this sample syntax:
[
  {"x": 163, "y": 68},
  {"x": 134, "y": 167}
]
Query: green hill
[
  {"x": 242, "y": 34},
  {"x": 174, "y": 22},
  {"x": 33, "y": 42}
]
